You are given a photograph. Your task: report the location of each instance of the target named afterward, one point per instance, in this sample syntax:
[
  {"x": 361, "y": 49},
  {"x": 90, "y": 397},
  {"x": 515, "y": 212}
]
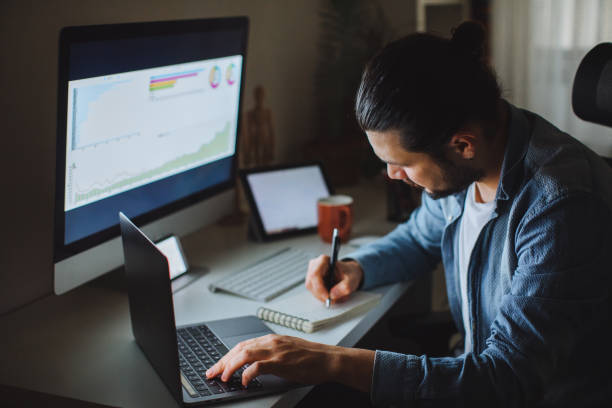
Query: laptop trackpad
[
  {"x": 233, "y": 340},
  {"x": 233, "y": 331}
]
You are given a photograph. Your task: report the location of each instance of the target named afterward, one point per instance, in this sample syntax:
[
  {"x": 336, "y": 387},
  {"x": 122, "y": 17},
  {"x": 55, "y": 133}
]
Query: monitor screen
[
  {"x": 139, "y": 140},
  {"x": 148, "y": 121}
]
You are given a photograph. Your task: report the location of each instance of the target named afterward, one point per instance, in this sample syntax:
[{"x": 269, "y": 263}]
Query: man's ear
[{"x": 463, "y": 143}]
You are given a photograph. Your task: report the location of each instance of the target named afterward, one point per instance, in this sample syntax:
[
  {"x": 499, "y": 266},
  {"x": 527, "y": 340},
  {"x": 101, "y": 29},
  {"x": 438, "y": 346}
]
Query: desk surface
[{"x": 80, "y": 344}]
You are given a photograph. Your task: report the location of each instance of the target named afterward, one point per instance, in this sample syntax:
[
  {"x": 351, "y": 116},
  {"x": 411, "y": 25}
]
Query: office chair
[{"x": 592, "y": 91}]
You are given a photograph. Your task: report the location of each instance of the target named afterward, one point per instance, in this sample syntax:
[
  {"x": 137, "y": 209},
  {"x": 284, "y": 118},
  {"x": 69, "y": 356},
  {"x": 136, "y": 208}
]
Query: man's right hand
[{"x": 348, "y": 276}]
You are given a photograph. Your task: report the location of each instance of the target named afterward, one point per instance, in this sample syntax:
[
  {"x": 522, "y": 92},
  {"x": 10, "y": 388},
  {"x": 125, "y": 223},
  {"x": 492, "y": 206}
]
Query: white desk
[{"x": 80, "y": 344}]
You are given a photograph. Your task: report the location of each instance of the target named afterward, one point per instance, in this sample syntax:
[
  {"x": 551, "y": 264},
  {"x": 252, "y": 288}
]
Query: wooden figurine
[{"x": 259, "y": 143}]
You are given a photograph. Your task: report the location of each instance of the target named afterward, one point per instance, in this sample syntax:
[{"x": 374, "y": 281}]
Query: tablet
[
  {"x": 171, "y": 248},
  {"x": 283, "y": 199}
]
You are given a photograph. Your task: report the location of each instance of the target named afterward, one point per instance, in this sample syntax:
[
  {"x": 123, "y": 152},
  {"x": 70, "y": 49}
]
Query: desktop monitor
[{"x": 148, "y": 119}]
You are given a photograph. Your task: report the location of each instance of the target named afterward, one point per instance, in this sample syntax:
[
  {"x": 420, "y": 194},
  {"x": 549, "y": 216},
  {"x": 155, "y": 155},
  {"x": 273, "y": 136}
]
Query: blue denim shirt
[{"x": 539, "y": 283}]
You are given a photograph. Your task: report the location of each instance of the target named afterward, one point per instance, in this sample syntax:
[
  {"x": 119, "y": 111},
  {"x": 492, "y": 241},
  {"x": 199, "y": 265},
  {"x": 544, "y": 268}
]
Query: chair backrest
[{"x": 592, "y": 92}]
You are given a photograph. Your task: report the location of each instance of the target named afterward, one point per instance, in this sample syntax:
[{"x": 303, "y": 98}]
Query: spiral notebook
[{"x": 306, "y": 313}]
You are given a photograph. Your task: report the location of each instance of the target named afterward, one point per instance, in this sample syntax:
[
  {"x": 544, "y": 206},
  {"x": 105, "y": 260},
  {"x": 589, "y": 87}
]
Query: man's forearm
[{"x": 354, "y": 367}]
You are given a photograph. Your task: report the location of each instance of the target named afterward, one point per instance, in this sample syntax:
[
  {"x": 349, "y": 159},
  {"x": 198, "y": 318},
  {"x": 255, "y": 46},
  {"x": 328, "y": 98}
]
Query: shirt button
[{"x": 450, "y": 217}]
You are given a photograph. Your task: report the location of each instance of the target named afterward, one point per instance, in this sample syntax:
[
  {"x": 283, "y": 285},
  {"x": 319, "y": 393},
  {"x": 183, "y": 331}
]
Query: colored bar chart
[{"x": 159, "y": 82}]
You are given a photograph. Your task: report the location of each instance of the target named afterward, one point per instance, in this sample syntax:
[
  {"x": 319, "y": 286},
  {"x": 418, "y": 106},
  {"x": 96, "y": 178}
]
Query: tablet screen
[{"x": 286, "y": 199}]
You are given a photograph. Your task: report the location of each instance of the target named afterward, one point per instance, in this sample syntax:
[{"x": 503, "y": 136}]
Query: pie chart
[{"x": 215, "y": 77}]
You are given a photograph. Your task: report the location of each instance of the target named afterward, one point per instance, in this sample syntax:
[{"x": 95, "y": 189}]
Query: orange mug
[{"x": 335, "y": 211}]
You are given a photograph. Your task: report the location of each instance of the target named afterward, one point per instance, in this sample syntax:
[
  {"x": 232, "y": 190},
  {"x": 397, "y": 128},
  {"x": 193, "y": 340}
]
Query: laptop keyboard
[{"x": 200, "y": 349}]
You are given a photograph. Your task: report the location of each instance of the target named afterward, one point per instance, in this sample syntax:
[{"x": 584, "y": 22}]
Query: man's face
[{"x": 439, "y": 177}]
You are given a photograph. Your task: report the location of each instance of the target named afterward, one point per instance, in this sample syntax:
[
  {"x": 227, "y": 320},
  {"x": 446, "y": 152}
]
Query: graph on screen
[
  {"x": 130, "y": 129},
  {"x": 176, "y": 84}
]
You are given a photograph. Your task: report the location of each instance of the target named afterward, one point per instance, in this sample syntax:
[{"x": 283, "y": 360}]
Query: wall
[{"x": 281, "y": 56}]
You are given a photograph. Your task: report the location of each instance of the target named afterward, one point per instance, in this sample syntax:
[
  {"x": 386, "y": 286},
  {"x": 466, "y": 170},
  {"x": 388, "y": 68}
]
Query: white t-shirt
[{"x": 475, "y": 216}]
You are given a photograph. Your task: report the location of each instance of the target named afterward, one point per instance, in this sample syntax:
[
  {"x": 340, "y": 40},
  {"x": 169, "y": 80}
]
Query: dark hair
[{"x": 427, "y": 87}]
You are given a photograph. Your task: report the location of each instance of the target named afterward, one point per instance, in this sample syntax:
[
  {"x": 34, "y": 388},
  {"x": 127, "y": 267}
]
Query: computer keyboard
[
  {"x": 200, "y": 349},
  {"x": 269, "y": 277}
]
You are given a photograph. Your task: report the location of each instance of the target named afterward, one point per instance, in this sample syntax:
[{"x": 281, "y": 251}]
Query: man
[{"x": 520, "y": 215}]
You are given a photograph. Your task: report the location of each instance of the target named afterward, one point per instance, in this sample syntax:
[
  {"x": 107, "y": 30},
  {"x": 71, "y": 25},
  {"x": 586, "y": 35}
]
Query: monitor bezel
[{"x": 76, "y": 34}]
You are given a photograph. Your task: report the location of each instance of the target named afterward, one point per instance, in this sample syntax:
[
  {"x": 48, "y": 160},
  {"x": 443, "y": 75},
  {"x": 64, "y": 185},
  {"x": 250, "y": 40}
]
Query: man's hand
[
  {"x": 348, "y": 276},
  {"x": 296, "y": 360},
  {"x": 288, "y": 357}
]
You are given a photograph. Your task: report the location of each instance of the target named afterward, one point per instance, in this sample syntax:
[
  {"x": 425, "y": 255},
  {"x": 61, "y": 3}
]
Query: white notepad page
[{"x": 305, "y": 307}]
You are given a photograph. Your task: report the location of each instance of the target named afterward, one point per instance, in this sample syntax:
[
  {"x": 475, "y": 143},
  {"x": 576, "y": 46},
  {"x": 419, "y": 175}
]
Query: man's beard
[{"x": 456, "y": 177}]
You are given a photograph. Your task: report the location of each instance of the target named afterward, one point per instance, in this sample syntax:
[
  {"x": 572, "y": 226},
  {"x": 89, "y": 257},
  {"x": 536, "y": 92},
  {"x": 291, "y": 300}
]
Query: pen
[{"x": 329, "y": 278}]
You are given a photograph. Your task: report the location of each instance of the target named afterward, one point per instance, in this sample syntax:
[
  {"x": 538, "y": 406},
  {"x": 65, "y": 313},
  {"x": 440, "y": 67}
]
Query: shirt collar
[
  {"x": 519, "y": 133},
  {"x": 516, "y": 149}
]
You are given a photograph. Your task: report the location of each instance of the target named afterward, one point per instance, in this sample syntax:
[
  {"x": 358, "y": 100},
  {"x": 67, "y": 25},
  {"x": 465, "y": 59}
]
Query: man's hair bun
[{"x": 469, "y": 39}]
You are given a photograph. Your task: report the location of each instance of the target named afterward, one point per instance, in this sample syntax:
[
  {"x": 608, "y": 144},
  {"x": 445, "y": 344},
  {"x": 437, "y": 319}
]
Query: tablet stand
[
  {"x": 186, "y": 279},
  {"x": 252, "y": 231}
]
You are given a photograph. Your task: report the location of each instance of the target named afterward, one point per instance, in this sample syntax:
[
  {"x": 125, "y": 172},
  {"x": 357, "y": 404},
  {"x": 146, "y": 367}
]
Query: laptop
[{"x": 181, "y": 355}]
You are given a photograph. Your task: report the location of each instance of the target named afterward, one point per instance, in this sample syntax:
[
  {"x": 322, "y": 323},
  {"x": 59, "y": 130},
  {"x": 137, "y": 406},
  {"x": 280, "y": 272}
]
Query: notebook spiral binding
[{"x": 284, "y": 319}]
